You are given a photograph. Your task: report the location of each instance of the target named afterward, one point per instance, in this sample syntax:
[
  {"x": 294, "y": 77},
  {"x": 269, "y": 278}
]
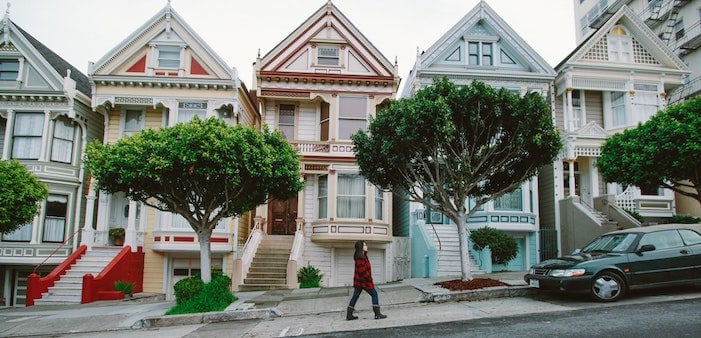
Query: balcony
[
  {"x": 691, "y": 38},
  {"x": 187, "y": 241},
  {"x": 338, "y": 149},
  {"x": 350, "y": 231}
]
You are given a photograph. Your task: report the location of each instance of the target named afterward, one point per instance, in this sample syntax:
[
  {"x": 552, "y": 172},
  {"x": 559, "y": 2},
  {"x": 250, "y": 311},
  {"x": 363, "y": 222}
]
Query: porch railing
[
  {"x": 243, "y": 263},
  {"x": 295, "y": 255},
  {"x": 126, "y": 266}
]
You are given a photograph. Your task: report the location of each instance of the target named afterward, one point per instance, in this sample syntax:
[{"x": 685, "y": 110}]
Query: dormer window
[
  {"x": 328, "y": 56},
  {"x": 620, "y": 45},
  {"x": 168, "y": 57},
  {"x": 9, "y": 69},
  {"x": 480, "y": 53}
]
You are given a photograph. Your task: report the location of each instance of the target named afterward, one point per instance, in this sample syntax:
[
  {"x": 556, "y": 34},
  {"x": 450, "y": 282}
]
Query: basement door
[{"x": 344, "y": 266}]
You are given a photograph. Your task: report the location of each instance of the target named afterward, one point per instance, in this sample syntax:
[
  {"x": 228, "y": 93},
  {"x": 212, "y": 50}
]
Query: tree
[
  {"x": 663, "y": 152},
  {"x": 20, "y": 194},
  {"x": 203, "y": 171},
  {"x": 449, "y": 143}
]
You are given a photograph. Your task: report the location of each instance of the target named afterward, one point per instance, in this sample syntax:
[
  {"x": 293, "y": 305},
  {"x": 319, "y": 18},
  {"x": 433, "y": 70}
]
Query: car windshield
[{"x": 611, "y": 243}]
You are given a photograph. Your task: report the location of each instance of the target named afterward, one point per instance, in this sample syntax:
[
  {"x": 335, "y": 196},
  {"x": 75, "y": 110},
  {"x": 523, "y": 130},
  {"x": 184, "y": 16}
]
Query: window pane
[
  {"x": 168, "y": 57},
  {"x": 510, "y": 201},
  {"x": 662, "y": 239},
  {"x": 62, "y": 147},
  {"x": 188, "y": 110},
  {"x": 9, "y": 70},
  {"x": 351, "y": 196},
  {"x": 322, "y": 195},
  {"x": 132, "y": 121},
  {"x": 23, "y": 234},
  {"x": 346, "y": 128},
  {"x": 618, "y": 108},
  {"x": 379, "y": 203},
  {"x": 690, "y": 237},
  {"x": 353, "y": 106}
]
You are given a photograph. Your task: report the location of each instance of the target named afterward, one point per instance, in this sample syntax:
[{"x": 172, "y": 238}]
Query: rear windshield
[{"x": 611, "y": 243}]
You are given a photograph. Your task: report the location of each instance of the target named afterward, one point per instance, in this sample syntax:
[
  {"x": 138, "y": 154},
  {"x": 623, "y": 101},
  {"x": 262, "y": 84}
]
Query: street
[{"x": 666, "y": 319}]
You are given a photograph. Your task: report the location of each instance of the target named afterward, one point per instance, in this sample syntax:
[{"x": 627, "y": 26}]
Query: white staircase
[
  {"x": 268, "y": 269},
  {"x": 69, "y": 287},
  {"x": 445, "y": 238}
]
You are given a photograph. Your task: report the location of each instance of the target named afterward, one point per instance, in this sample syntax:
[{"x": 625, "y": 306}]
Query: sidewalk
[{"x": 397, "y": 298}]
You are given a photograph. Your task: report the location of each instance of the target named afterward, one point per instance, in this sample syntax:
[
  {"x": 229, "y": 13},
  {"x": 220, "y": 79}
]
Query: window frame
[
  {"x": 320, "y": 57},
  {"x": 479, "y": 54},
  {"x": 356, "y": 199},
  {"x": 350, "y": 116},
  {"x": 174, "y": 49},
  {"x": 322, "y": 197},
  {"x": 195, "y": 108},
  {"x": 141, "y": 121},
  {"x": 10, "y": 70},
  {"x": 67, "y": 151},
  {"x": 290, "y": 110},
  {"x": 32, "y": 137}
]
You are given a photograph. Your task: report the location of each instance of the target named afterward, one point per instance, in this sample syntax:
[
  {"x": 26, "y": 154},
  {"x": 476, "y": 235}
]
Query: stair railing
[
  {"x": 56, "y": 249},
  {"x": 295, "y": 254},
  {"x": 243, "y": 263},
  {"x": 125, "y": 266},
  {"x": 37, "y": 285}
]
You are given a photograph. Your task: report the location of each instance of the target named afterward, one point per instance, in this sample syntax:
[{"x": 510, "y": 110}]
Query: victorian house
[
  {"x": 678, "y": 25},
  {"x": 482, "y": 47},
  {"x": 619, "y": 76},
  {"x": 318, "y": 86},
  {"x": 46, "y": 121}
]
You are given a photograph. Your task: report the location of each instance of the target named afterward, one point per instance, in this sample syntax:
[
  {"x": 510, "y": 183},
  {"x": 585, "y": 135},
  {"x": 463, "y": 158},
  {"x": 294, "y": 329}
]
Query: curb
[
  {"x": 475, "y": 295},
  {"x": 208, "y": 317}
]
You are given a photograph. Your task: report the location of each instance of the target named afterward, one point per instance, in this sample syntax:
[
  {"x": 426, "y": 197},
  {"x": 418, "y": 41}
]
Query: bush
[
  {"x": 636, "y": 215},
  {"x": 504, "y": 247},
  {"x": 685, "y": 219},
  {"x": 309, "y": 277},
  {"x": 124, "y": 286},
  {"x": 213, "y": 296}
]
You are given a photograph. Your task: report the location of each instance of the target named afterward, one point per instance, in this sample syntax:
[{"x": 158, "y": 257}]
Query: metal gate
[{"x": 548, "y": 243}]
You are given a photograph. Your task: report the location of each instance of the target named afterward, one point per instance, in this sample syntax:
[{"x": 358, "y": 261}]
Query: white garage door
[{"x": 344, "y": 265}]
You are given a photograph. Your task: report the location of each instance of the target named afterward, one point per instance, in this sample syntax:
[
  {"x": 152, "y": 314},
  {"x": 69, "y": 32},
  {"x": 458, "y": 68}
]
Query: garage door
[{"x": 344, "y": 266}]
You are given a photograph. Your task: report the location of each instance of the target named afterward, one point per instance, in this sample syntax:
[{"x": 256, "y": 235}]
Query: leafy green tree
[
  {"x": 20, "y": 194},
  {"x": 504, "y": 247},
  {"x": 203, "y": 171},
  {"x": 663, "y": 152},
  {"x": 449, "y": 143}
]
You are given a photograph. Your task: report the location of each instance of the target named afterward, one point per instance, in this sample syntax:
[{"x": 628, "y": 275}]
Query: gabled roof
[
  {"x": 482, "y": 20},
  {"x": 167, "y": 22},
  {"x": 655, "y": 52},
  {"x": 19, "y": 38},
  {"x": 330, "y": 17}
]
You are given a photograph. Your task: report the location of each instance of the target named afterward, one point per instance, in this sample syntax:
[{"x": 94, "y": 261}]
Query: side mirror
[{"x": 645, "y": 248}]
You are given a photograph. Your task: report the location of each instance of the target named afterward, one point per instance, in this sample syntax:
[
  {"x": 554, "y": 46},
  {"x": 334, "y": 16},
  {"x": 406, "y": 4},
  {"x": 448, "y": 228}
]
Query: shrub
[
  {"x": 124, "y": 286},
  {"x": 213, "y": 296},
  {"x": 636, "y": 215},
  {"x": 309, "y": 277},
  {"x": 504, "y": 247},
  {"x": 685, "y": 219}
]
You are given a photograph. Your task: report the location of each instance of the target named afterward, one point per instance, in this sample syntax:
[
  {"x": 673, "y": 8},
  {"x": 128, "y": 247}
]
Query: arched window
[{"x": 620, "y": 45}]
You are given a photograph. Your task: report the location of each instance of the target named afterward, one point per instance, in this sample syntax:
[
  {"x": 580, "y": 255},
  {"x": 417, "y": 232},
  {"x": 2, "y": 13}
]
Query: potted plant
[
  {"x": 309, "y": 277},
  {"x": 125, "y": 286},
  {"x": 117, "y": 236}
]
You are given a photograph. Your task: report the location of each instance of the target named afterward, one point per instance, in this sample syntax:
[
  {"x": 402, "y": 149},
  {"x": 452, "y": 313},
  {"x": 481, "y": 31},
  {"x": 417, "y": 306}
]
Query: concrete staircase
[
  {"x": 445, "y": 238},
  {"x": 68, "y": 289},
  {"x": 268, "y": 269}
]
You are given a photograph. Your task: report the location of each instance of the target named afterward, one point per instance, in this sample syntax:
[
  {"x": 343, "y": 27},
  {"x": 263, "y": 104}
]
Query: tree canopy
[
  {"x": 665, "y": 151},
  {"x": 20, "y": 194},
  {"x": 448, "y": 143},
  {"x": 203, "y": 170}
]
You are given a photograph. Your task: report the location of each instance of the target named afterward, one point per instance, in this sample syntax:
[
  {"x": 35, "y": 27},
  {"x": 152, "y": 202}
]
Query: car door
[
  {"x": 692, "y": 241},
  {"x": 665, "y": 263}
]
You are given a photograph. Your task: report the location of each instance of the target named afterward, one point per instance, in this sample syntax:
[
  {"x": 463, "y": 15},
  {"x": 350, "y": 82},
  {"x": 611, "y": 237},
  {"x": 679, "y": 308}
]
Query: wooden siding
[
  {"x": 546, "y": 194},
  {"x": 308, "y": 122},
  {"x": 559, "y": 113},
  {"x": 153, "y": 261},
  {"x": 594, "y": 106}
]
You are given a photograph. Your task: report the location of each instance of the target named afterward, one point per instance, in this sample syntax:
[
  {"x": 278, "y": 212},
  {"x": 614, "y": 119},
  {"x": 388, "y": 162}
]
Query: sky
[{"x": 81, "y": 31}]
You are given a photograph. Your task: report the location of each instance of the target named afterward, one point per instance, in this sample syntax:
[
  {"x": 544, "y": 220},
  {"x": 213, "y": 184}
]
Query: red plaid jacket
[{"x": 363, "y": 274}]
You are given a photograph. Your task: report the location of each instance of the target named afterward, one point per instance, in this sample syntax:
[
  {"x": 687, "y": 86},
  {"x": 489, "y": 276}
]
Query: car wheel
[{"x": 607, "y": 287}]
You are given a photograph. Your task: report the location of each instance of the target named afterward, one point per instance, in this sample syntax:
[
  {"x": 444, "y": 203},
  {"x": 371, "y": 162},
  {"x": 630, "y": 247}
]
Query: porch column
[
  {"x": 130, "y": 233},
  {"x": 87, "y": 237},
  {"x": 569, "y": 115},
  {"x": 570, "y": 165},
  {"x": 594, "y": 177},
  {"x": 102, "y": 226}
]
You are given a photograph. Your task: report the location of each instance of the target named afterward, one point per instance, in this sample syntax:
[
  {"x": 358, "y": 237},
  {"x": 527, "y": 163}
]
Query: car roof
[{"x": 653, "y": 228}]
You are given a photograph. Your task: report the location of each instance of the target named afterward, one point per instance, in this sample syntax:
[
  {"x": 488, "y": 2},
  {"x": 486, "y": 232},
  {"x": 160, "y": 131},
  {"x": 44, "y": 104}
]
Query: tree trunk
[
  {"x": 205, "y": 237},
  {"x": 461, "y": 223}
]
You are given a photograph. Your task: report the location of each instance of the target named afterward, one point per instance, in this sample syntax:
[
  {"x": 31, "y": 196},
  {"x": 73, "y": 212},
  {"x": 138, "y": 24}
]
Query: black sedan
[{"x": 636, "y": 258}]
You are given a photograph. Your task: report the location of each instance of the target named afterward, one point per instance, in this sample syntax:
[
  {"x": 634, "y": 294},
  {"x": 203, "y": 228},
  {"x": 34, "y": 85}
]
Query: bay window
[
  {"x": 188, "y": 110},
  {"x": 350, "y": 202},
  {"x": 352, "y": 112},
  {"x": 512, "y": 201},
  {"x": 62, "y": 145},
  {"x": 379, "y": 203},
  {"x": 323, "y": 196},
  {"x": 618, "y": 108},
  {"x": 286, "y": 122},
  {"x": 22, "y": 234},
  {"x": 27, "y": 136},
  {"x": 55, "y": 219}
]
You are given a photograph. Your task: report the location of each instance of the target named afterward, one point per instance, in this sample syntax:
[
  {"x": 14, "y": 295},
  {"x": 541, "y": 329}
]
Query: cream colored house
[{"x": 162, "y": 74}]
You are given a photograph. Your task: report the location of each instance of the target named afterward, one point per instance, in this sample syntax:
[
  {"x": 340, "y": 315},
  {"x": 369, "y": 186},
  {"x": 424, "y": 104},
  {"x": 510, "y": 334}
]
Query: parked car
[{"x": 623, "y": 260}]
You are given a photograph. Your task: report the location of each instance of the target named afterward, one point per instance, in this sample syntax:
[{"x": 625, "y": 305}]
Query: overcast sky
[{"x": 85, "y": 30}]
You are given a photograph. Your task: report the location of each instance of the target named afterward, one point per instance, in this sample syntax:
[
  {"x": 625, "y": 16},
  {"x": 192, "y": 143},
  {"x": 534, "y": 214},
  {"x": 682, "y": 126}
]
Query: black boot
[
  {"x": 349, "y": 314},
  {"x": 378, "y": 315}
]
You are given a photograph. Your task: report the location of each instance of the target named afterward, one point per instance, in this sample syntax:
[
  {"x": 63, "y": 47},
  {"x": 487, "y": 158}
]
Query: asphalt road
[{"x": 664, "y": 319}]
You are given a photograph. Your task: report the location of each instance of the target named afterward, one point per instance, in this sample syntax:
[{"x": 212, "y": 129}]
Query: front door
[{"x": 282, "y": 217}]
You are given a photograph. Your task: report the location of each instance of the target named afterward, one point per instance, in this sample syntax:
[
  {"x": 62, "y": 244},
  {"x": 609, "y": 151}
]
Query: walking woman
[{"x": 362, "y": 280}]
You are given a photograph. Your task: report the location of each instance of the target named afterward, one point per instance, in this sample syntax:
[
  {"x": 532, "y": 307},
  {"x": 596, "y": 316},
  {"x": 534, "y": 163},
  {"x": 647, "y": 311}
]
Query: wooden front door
[{"x": 282, "y": 217}]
